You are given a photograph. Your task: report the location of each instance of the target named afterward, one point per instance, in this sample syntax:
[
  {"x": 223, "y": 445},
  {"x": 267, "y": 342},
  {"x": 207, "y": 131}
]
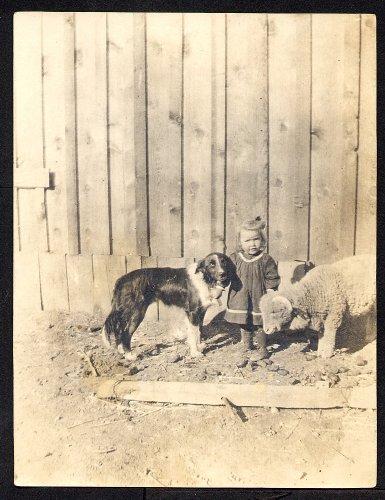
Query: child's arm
[{"x": 272, "y": 278}]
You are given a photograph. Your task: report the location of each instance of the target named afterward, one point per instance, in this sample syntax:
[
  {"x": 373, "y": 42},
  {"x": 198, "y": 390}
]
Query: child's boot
[
  {"x": 246, "y": 345},
  {"x": 260, "y": 345},
  {"x": 247, "y": 339}
]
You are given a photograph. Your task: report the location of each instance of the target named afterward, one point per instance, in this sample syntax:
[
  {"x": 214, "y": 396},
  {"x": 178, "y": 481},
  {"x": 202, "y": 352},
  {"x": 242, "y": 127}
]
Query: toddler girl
[{"x": 257, "y": 274}]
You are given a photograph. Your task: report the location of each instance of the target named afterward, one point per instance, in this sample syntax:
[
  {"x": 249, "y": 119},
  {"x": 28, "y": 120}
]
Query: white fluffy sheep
[{"x": 326, "y": 297}]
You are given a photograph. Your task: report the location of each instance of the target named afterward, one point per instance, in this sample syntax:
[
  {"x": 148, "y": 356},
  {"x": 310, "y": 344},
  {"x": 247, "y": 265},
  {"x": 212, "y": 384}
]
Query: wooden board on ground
[
  {"x": 106, "y": 270},
  {"x": 239, "y": 394},
  {"x": 80, "y": 282},
  {"x": 53, "y": 276}
]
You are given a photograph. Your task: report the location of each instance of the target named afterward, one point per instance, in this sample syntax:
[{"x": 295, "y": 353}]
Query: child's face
[{"x": 251, "y": 241}]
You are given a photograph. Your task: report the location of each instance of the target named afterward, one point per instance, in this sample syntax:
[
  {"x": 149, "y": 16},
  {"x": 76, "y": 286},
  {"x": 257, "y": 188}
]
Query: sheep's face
[{"x": 276, "y": 312}]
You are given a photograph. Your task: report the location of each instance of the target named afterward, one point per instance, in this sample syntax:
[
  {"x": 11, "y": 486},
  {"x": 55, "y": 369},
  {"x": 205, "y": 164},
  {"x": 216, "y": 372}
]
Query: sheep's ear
[{"x": 282, "y": 302}]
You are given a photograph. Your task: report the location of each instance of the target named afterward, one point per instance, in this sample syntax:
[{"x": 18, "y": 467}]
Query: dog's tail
[{"x": 113, "y": 329}]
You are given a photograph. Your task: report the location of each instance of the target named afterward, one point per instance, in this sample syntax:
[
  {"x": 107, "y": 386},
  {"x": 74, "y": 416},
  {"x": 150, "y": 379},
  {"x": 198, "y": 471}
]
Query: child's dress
[{"x": 256, "y": 275}]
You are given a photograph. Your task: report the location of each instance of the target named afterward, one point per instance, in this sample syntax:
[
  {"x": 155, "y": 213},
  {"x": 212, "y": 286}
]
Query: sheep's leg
[{"x": 327, "y": 341}]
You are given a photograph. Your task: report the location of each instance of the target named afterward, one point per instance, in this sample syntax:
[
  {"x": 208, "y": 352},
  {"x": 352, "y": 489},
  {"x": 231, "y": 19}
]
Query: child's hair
[{"x": 257, "y": 225}]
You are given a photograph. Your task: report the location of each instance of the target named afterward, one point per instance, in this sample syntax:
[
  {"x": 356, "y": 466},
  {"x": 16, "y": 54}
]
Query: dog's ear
[{"x": 201, "y": 266}]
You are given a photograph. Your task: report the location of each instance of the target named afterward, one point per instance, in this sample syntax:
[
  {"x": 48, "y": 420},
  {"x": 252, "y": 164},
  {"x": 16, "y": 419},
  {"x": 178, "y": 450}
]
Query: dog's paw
[
  {"x": 325, "y": 351},
  {"x": 201, "y": 347},
  {"x": 197, "y": 354},
  {"x": 130, "y": 356},
  {"x": 325, "y": 354},
  {"x": 105, "y": 339}
]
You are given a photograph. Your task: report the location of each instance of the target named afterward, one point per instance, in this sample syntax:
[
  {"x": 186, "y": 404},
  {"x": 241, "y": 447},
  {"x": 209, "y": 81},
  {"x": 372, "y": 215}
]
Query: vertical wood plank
[
  {"x": 26, "y": 282},
  {"x": 80, "y": 282},
  {"x": 218, "y": 131},
  {"x": 28, "y": 89},
  {"x": 366, "y": 188},
  {"x": 289, "y": 134},
  {"x": 106, "y": 270},
  {"x": 140, "y": 134},
  {"x": 32, "y": 220},
  {"x": 335, "y": 64},
  {"x": 121, "y": 132},
  {"x": 197, "y": 134},
  {"x": 133, "y": 262},
  {"x": 54, "y": 128},
  {"x": 166, "y": 313},
  {"x": 72, "y": 194},
  {"x": 53, "y": 276},
  {"x": 28, "y": 123},
  {"x": 247, "y": 132},
  {"x": 152, "y": 312},
  {"x": 92, "y": 132},
  {"x": 164, "y": 61}
]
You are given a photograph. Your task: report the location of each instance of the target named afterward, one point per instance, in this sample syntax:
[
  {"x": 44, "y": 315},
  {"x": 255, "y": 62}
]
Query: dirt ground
[{"x": 66, "y": 436}]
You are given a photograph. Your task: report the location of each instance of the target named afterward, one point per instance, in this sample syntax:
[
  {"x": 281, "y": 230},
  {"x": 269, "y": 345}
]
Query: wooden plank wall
[
  {"x": 164, "y": 112},
  {"x": 335, "y": 89},
  {"x": 247, "y": 121},
  {"x": 289, "y": 125},
  {"x": 145, "y": 139},
  {"x": 365, "y": 240}
]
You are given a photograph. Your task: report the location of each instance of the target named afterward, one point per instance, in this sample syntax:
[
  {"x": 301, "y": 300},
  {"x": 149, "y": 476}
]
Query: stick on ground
[
  {"x": 238, "y": 412},
  {"x": 88, "y": 358}
]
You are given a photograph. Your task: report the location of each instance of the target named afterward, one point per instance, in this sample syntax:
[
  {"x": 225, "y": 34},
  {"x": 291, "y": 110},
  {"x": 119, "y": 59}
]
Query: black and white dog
[{"x": 193, "y": 289}]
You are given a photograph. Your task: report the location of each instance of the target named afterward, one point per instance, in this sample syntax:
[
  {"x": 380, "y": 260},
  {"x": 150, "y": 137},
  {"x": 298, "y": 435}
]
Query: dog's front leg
[
  {"x": 196, "y": 325},
  {"x": 193, "y": 338}
]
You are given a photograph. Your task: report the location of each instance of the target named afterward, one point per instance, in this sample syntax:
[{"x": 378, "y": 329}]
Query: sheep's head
[{"x": 276, "y": 312}]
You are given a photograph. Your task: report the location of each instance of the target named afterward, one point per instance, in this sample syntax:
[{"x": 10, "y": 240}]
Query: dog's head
[
  {"x": 217, "y": 269},
  {"x": 277, "y": 312}
]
